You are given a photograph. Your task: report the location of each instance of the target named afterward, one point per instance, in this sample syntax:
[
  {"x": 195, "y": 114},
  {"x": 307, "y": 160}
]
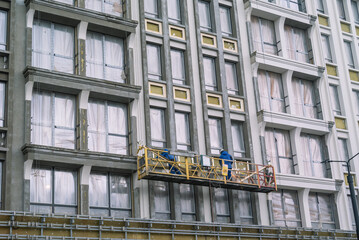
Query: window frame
[
  {"x": 212, "y": 65},
  {"x": 167, "y": 214},
  {"x": 182, "y": 54},
  {"x": 334, "y": 94},
  {"x": 318, "y": 209},
  {"x": 262, "y": 41},
  {"x": 303, "y": 104},
  {"x": 186, "y": 146},
  {"x": 289, "y": 3},
  {"x": 284, "y": 208},
  {"x": 349, "y": 50},
  {"x": 295, "y": 45},
  {"x": 354, "y": 6},
  {"x": 163, "y": 125},
  {"x": 228, "y": 15},
  {"x": 152, "y": 14},
  {"x": 320, "y": 6},
  {"x": 310, "y": 160},
  {"x": 327, "y": 45},
  {"x": 207, "y": 9},
  {"x": 3, "y": 101},
  {"x": 153, "y": 75},
  {"x": 341, "y": 10},
  {"x": 4, "y": 45},
  {"x": 179, "y": 12},
  {"x": 105, "y": 3},
  {"x": 226, "y": 217},
  {"x": 216, "y": 149},
  {"x": 235, "y": 90},
  {"x": 189, "y": 216},
  {"x": 242, "y": 152}
]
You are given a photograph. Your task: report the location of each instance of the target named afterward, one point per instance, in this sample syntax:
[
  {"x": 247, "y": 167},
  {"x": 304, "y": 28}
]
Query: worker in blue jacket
[
  {"x": 170, "y": 157},
  {"x": 227, "y": 159}
]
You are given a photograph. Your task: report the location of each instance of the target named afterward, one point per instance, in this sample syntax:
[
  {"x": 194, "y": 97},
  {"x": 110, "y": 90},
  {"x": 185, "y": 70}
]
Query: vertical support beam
[
  {"x": 28, "y": 97},
  {"x": 288, "y": 91},
  {"x": 270, "y": 208},
  {"x": 280, "y": 36},
  {"x": 29, "y": 24},
  {"x": 80, "y": 57},
  {"x": 234, "y": 206},
  {"x": 176, "y": 202},
  {"x": 198, "y": 194},
  {"x": 82, "y": 124},
  {"x": 304, "y": 207},
  {"x": 84, "y": 207},
  {"x": 297, "y": 154},
  {"x": 27, "y": 173}
]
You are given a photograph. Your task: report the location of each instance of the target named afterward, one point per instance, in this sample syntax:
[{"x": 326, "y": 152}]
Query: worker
[
  {"x": 171, "y": 158},
  {"x": 227, "y": 159}
]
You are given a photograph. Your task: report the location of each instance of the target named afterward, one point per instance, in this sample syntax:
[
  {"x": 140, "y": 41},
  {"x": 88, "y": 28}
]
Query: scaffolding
[{"x": 206, "y": 171}]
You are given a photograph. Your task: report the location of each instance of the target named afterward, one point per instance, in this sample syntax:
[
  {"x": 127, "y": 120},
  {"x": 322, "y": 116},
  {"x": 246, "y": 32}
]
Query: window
[
  {"x": 215, "y": 135},
  {"x": 343, "y": 152},
  {"x": 113, "y": 7},
  {"x": 3, "y": 29},
  {"x": 178, "y": 68},
  {"x": 158, "y": 127},
  {"x": 110, "y": 195},
  {"x": 53, "y": 191},
  {"x": 174, "y": 11},
  {"x": 245, "y": 207},
  {"x": 264, "y": 38},
  {"x": 327, "y": 48},
  {"x": 226, "y": 20},
  {"x": 304, "y": 98},
  {"x": 2, "y": 104},
  {"x": 271, "y": 91},
  {"x": 162, "y": 200},
  {"x": 286, "y": 208},
  {"x": 53, "y": 46},
  {"x": 238, "y": 141},
  {"x": 107, "y": 127},
  {"x": 297, "y": 5},
  {"x": 210, "y": 76},
  {"x": 320, "y": 6},
  {"x": 151, "y": 8},
  {"x": 278, "y": 150},
  {"x": 204, "y": 16},
  {"x": 105, "y": 57},
  {"x": 183, "y": 131},
  {"x": 335, "y": 99},
  {"x": 53, "y": 119},
  {"x": 232, "y": 78},
  {"x": 297, "y": 42},
  {"x": 355, "y": 11},
  {"x": 356, "y": 97},
  {"x": 154, "y": 62},
  {"x": 222, "y": 205},
  {"x": 341, "y": 9},
  {"x": 188, "y": 206},
  {"x": 349, "y": 54},
  {"x": 321, "y": 210},
  {"x": 312, "y": 148}
]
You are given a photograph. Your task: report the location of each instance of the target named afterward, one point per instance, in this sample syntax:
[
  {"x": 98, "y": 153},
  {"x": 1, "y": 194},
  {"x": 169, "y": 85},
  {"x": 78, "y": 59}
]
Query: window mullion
[
  {"x": 310, "y": 154},
  {"x": 301, "y": 88},
  {"x": 107, "y": 126},
  {"x": 103, "y": 57},
  {"x": 53, "y": 110},
  {"x": 52, "y": 45},
  {"x": 276, "y": 149},
  {"x": 109, "y": 192},
  {"x": 53, "y": 189}
]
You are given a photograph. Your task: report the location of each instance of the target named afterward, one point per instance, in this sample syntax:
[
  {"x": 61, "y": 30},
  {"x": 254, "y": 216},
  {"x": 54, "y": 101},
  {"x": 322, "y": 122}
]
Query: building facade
[{"x": 84, "y": 83}]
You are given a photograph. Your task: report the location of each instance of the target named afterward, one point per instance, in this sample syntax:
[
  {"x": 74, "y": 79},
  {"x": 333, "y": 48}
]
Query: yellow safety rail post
[
  {"x": 146, "y": 160},
  {"x": 187, "y": 170},
  {"x": 258, "y": 177},
  {"x": 274, "y": 179}
]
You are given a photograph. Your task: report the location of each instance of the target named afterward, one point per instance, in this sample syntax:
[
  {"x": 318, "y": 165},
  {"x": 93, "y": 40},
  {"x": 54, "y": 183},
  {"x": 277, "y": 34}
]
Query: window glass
[
  {"x": 178, "y": 68},
  {"x": 297, "y": 43},
  {"x": 245, "y": 207},
  {"x": 238, "y": 141},
  {"x": 286, "y": 208},
  {"x": 222, "y": 205},
  {"x": 113, "y": 7},
  {"x": 2, "y": 104},
  {"x": 151, "y": 8},
  {"x": 264, "y": 38},
  {"x": 215, "y": 134},
  {"x": 312, "y": 148},
  {"x": 335, "y": 99},
  {"x": 356, "y": 97},
  {"x": 343, "y": 152},
  {"x": 320, "y": 6},
  {"x": 53, "y": 191},
  {"x": 271, "y": 91},
  {"x": 162, "y": 200},
  {"x": 355, "y": 11},
  {"x": 321, "y": 210},
  {"x": 326, "y": 48},
  {"x": 154, "y": 62},
  {"x": 183, "y": 131},
  {"x": 53, "y": 46},
  {"x": 53, "y": 119},
  {"x": 226, "y": 21},
  {"x": 174, "y": 11},
  {"x": 341, "y": 9},
  {"x": 204, "y": 15},
  {"x": 188, "y": 206},
  {"x": 107, "y": 127},
  {"x": 105, "y": 57},
  {"x": 3, "y": 29},
  {"x": 278, "y": 150},
  {"x": 232, "y": 78},
  {"x": 158, "y": 129},
  {"x": 349, "y": 54},
  {"x": 210, "y": 77},
  {"x": 305, "y": 100}
]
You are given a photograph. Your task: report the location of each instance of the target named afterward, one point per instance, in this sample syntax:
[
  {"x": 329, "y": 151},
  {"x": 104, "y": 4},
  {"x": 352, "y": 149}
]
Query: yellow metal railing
[{"x": 151, "y": 162}]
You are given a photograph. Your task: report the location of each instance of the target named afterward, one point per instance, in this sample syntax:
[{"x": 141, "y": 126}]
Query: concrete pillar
[
  {"x": 82, "y": 123},
  {"x": 298, "y": 156},
  {"x": 288, "y": 91},
  {"x": 304, "y": 207},
  {"x": 80, "y": 57},
  {"x": 84, "y": 207},
  {"x": 27, "y": 173},
  {"x": 28, "y": 97},
  {"x": 280, "y": 36}
]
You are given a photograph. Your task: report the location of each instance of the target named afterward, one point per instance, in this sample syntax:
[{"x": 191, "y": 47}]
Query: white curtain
[
  {"x": 98, "y": 190},
  {"x": 174, "y": 11},
  {"x": 268, "y": 37},
  {"x": 117, "y": 125},
  {"x": 284, "y": 151},
  {"x": 41, "y": 118},
  {"x": 154, "y": 61},
  {"x": 2, "y": 104},
  {"x": 187, "y": 198},
  {"x": 209, "y": 68},
  {"x": 226, "y": 22},
  {"x": 238, "y": 141},
  {"x": 292, "y": 214},
  {"x": 335, "y": 99},
  {"x": 40, "y": 186},
  {"x": 231, "y": 78},
  {"x": 64, "y": 121},
  {"x": 341, "y": 10},
  {"x": 63, "y": 48},
  {"x": 271, "y": 91},
  {"x": 355, "y": 11},
  {"x": 3, "y": 29},
  {"x": 256, "y": 34},
  {"x": 94, "y": 5},
  {"x": 158, "y": 130},
  {"x": 182, "y": 131},
  {"x": 313, "y": 156},
  {"x": 151, "y": 7},
  {"x": 94, "y": 55},
  {"x": 349, "y": 54},
  {"x": 204, "y": 15},
  {"x": 222, "y": 203},
  {"x": 65, "y": 187},
  {"x": 304, "y": 98},
  {"x": 41, "y": 44},
  {"x": 326, "y": 48},
  {"x": 114, "y": 59},
  {"x": 96, "y": 126},
  {"x": 215, "y": 134},
  {"x": 300, "y": 38},
  {"x": 278, "y": 211},
  {"x": 162, "y": 198},
  {"x": 177, "y": 64},
  {"x": 245, "y": 207},
  {"x": 120, "y": 192}
]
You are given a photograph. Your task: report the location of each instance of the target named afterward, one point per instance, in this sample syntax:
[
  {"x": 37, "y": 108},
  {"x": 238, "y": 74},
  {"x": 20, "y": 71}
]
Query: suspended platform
[{"x": 205, "y": 171}]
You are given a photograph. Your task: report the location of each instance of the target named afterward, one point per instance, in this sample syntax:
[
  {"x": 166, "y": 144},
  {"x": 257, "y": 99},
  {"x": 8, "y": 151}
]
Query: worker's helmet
[{"x": 222, "y": 150}]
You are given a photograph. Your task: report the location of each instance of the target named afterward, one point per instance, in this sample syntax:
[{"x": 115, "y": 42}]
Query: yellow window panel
[
  {"x": 214, "y": 100},
  {"x": 177, "y": 32},
  {"x": 323, "y": 21},
  {"x": 340, "y": 123},
  {"x": 357, "y": 30},
  {"x": 354, "y": 76},
  {"x": 153, "y": 26},
  {"x": 157, "y": 89},
  {"x": 209, "y": 40},
  {"x": 332, "y": 70},
  {"x": 236, "y": 104},
  {"x": 181, "y": 94},
  {"x": 345, "y": 27},
  {"x": 230, "y": 45}
]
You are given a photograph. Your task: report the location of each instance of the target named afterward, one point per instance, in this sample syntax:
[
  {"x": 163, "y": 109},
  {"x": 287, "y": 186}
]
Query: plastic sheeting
[
  {"x": 320, "y": 6},
  {"x": 341, "y": 10},
  {"x": 321, "y": 210},
  {"x": 264, "y": 38},
  {"x": 286, "y": 208},
  {"x": 3, "y": 29},
  {"x": 178, "y": 68},
  {"x": 349, "y": 53},
  {"x": 238, "y": 140},
  {"x": 304, "y": 98},
  {"x": 113, "y": 7},
  {"x": 326, "y": 48},
  {"x": 313, "y": 155},
  {"x": 154, "y": 62},
  {"x": 204, "y": 15},
  {"x": 104, "y": 57},
  {"x": 231, "y": 78},
  {"x": 151, "y": 8},
  {"x": 162, "y": 199},
  {"x": 297, "y": 43},
  {"x": 215, "y": 135},
  {"x": 278, "y": 150},
  {"x": 2, "y": 104},
  {"x": 158, "y": 128},
  {"x": 183, "y": 131},
  {"x": 53, "y": 46},
  {"x": 188, "y": 203},
  {"x": 333, "y": 89},
  {"x": 210, "y": 78},
  {"x": 354, "y": 5},
  {"x": 108, "y": 129},
  {"x": 271, "y": 91},
  {"x": 226, "y": 21},
  {"x": 174, "y": 11},
  {"x": 222, "y": 204},
  {"x": 245, "y": 207}
]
